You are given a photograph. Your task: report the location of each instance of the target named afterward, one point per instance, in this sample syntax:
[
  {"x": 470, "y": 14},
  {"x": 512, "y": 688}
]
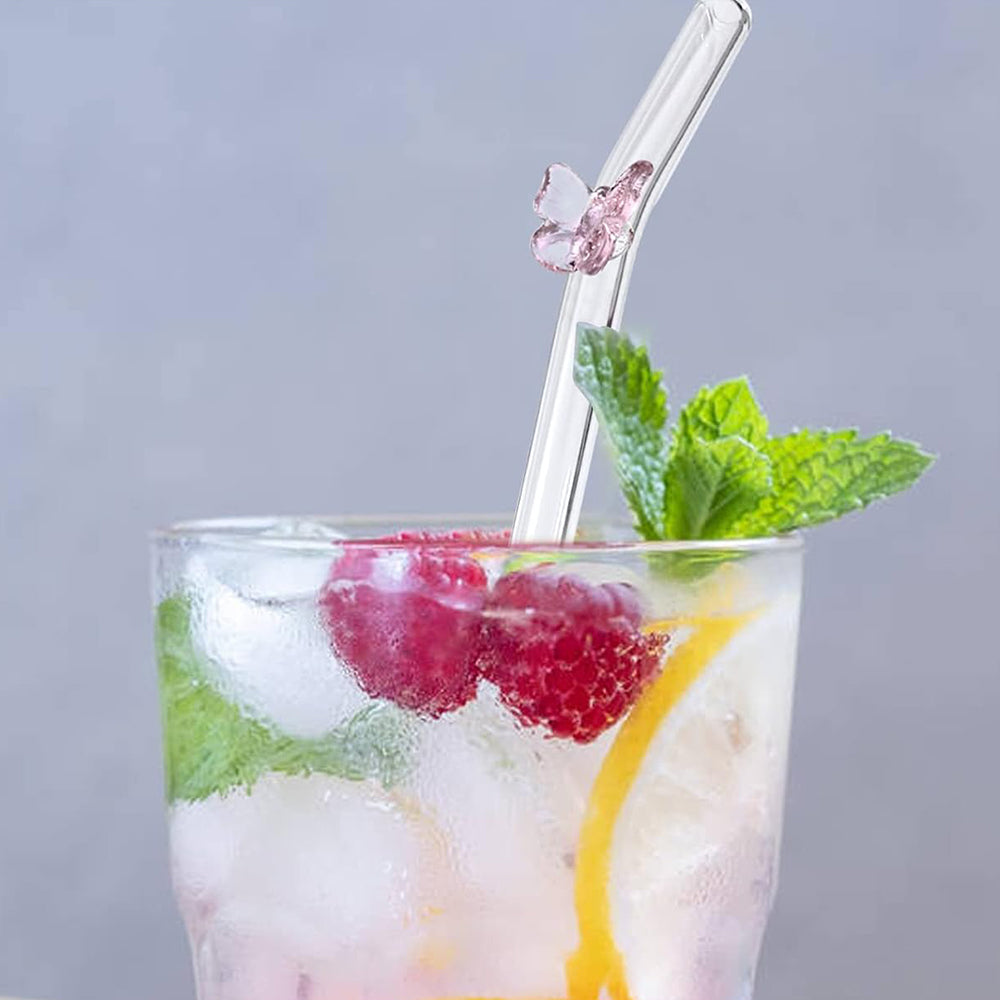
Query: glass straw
[{"x": 659, "y": 130}]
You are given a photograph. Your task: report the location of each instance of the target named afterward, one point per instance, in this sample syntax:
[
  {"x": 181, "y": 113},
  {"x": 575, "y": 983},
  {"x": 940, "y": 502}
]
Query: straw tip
[{"x": 729, "y": 11}]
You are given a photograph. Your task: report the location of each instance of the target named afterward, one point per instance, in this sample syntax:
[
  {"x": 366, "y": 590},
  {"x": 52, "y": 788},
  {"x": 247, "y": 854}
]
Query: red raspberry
[
  {"x": 566, "y": 654},
  {"x": 405, "y": 618}
]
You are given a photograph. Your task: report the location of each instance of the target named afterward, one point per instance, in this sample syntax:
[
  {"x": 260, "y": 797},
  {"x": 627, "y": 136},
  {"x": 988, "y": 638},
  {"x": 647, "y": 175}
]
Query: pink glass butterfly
[{"x": 585, "y": 229}]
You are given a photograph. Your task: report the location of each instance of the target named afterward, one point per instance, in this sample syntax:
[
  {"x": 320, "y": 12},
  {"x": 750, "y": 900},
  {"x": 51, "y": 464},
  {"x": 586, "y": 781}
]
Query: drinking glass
[{"x": 406, "y": 761}]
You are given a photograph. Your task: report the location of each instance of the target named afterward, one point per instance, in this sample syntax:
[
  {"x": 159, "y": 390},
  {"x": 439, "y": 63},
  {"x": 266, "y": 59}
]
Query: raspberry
[
  {"x": 566, "y": 654},
  {"x": 405, "y": 618}
]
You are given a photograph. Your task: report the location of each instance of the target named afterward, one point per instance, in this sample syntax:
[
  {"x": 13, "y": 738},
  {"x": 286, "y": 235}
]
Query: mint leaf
[
  {"x": 377, "y": 742},
  {"x": 820, "y": 475},
  {"x": 208, "y": 744},
  {"x": 710, "y": 484},
  {"x": 625, "y": 392},
  {"x": 211, "y": 746},
  {"x": 728, "y": 409}
]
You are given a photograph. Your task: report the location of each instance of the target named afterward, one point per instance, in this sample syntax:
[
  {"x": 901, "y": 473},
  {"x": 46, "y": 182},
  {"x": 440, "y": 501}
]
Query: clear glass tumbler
[{"x": 428, "y": 765}]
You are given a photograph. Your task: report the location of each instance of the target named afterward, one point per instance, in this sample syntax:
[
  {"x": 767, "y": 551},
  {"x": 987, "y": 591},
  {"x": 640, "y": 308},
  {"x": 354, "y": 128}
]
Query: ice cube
[
  {"x": 301, "y": 528},
  {"x": 273, "y": 568},
  {"x": 509, "y": 803},
  {"x": 342, "y": 883},
  {"x": 231, "y": 966},
  {"x": 272, "y": 654}
]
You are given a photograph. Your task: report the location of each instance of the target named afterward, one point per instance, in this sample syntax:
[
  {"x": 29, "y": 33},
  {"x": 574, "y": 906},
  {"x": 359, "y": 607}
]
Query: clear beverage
[{"x": 578, "y": 795}]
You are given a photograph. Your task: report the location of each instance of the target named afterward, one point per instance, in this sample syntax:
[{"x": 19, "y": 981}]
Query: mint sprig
[
  {"x": 212, "y": 746},
  {"x": 721, "y": 475}
]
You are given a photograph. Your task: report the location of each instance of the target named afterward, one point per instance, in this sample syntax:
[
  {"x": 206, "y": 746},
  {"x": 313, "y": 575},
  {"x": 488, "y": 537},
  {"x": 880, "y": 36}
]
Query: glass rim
[{"x": 248, "y": 532}]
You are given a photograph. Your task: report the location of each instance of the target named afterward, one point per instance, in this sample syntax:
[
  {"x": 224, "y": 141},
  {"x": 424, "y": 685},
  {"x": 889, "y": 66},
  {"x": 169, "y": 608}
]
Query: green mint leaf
[
  {"x": 615, "y": 376},
  {"x": 728, "y": 409},
  {"x": 208, "y": 745},
  {"x": 711, "y": 484},
  {"x": 211, "y": 746},
  {"x": 377, "y": 742},
  {"x": 820, "y": 475}
]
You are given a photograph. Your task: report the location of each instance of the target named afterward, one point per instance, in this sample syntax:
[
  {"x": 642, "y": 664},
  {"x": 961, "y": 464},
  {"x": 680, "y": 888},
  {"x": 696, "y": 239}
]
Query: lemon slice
[{"x": 694, "y": 849}]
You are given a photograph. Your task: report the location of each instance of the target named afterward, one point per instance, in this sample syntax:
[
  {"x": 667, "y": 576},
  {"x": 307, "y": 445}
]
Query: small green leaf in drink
[{"x": 212, "y": 746}]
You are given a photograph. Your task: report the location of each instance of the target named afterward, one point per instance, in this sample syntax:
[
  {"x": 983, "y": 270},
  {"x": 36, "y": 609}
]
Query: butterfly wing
[
  {"x": 623, "y": 196},
  {"x": 553, "y": 246},
  {"x": 563, "y": 196}
]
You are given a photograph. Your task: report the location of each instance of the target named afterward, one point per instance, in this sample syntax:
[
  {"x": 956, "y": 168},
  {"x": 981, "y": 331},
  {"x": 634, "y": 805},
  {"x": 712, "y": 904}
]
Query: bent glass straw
[{"x": 659, "y": 130}]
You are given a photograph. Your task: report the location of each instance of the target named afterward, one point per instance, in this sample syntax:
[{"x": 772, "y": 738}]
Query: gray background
[{"x": 271, "y": 257}]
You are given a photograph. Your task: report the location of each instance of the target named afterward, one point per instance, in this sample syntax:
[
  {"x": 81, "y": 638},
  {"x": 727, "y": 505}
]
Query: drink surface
[{"x": 474, "y": 837}]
